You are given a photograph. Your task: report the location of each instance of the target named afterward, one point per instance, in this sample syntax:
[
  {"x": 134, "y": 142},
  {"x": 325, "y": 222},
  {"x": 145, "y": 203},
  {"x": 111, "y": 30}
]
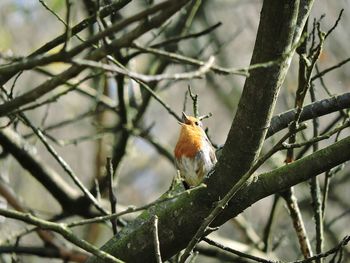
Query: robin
[{"x": 194, "y": 154}]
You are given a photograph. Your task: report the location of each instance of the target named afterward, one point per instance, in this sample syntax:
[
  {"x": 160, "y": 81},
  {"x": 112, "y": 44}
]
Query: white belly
[{"x": 194, "y": 169}]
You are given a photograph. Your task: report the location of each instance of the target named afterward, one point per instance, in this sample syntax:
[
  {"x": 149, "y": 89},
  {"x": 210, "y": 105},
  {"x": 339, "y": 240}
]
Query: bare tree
[{"x": 100, "y": 59}]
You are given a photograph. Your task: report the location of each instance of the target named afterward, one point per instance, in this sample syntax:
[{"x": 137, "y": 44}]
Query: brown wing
[
  {"x": 213, "y": 156},
  {"x": 211, "y": 152},
  {"x": 200, "y": 167}
]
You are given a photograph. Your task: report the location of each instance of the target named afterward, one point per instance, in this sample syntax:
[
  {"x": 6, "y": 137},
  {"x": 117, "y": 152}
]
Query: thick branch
[
  {"x": 316, "y": 109},
  {"x": 179, "y": 220},
  {"x": 279, "y": 30}
]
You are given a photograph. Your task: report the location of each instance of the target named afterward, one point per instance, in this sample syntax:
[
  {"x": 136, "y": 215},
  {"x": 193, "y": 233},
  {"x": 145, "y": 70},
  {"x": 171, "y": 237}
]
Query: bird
[{"x": 194, "y": 153}]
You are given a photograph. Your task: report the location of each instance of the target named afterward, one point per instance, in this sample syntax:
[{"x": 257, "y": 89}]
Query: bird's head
[{"x": 190, "y": 121}]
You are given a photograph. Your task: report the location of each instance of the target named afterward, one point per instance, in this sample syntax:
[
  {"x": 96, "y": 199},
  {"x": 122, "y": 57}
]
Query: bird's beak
[{"x": 184, "y": 117}]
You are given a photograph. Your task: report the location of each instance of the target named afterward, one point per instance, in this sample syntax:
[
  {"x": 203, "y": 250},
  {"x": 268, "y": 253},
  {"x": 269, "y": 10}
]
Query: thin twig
[
  {"x": 52, "y": 12},
  {"x": 68, "y": 33},
  {"x": 270, "y": 221},
  {"x": 237, "y": 252},
  {"x": 191, "y": 15},
  {"x": 156, "y": 240},
  {"x": 177, "y": 39},
  {"x": 76, "y": 141},
  {"x": 324, "y": 131},
  {"x": 334, "y": 250},
  {"x": 61, "y": 229},
  {"x": 215, "y": 68},
  {"x": 194, "y": 98},
  {"x": 206, "y": 116},
  {"x": 337, "y": 218},
  {"x": 278, "y": 146},
  {"x": 162, "y": 149},
  {"x": 88, "y": 91},
  {"x": 317, "y": 138},
  {"x": 63, "y": 164},
  {"x": 193, "y": 35},
  {"x": 327, "y": 179},
  {"x": 250, "y": 234},
  {"x": 14, "y": 84},
  {"x": 185, "y": 101},
  {"x": 133, "y": 209},
  {"x": 335, "y": 24},
  {"x": 151, "y": 92},
  {"x": 55, "y": 97},
  {"x": 65, "y": 122},
  {"x": 322, "y": 82},
  {"x": 325, "y": 71},
  {"x": 325, "y": 192},
  {"x": 316, "y": 191},
  {"x": 112, "y": 196},
  {"x": 297, "y": 220},
  {"x": 147, "y": 78}
]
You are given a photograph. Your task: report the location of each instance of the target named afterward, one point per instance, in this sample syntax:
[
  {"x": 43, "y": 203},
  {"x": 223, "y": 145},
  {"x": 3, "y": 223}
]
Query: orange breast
[{"x": 189, "y": 143}]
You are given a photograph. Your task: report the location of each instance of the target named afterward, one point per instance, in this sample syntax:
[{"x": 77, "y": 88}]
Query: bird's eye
[{"x": 197, "y": 123}]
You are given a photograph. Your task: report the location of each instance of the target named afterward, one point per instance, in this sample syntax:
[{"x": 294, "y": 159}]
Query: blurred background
[{"x": 144, "y": 173}]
